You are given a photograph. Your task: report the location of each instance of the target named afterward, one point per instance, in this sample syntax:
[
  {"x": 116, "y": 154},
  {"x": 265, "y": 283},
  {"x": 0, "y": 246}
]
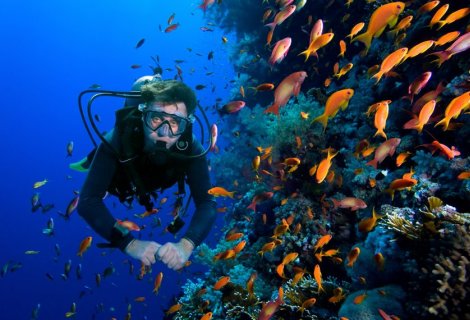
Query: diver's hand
[
  {"x": 143, "y": 250},
  {"x": 175, "y": 255}
]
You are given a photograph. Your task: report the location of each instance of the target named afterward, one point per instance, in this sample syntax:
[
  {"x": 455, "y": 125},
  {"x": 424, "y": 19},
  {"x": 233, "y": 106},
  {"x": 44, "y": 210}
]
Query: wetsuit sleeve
[
  {"x": 199, "y": 183},
  {"x": 91, "y": 206}
]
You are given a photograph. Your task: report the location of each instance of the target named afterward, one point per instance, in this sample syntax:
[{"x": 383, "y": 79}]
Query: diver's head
[
  {"x": 166, "y": 112},
  {"x": 137, "y": 86}
]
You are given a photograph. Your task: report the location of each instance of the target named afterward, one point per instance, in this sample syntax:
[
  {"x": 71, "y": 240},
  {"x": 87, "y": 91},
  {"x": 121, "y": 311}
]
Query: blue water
[{"x": 52, "y": 50}]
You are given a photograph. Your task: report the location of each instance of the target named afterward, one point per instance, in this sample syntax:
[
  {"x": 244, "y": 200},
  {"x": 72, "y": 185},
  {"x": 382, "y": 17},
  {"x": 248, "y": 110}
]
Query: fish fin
[
  {"x": 80, "y": 166},
  {"x": 444, "y": 122},
  {"x": 274, "y": 108},
  {"x": 323, "y": 119},
  {"x": 365, "y": 38},
  {"x": 373, "y": 163}
]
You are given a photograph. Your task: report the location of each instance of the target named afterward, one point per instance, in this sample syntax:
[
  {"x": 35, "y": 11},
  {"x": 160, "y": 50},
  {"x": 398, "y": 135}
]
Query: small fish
[
  {"x": 220, "y": 192},
  {"x": 231, "y": 107},
  {"x": 318, "y": 278},
  {"x": 39, "y": 184},
  {"x": 367, "y": 224},
  {"x": 336, "y": 101},
  {"x": 353, "y": 255},
  {"x": 69, "y": 148},
  {"x": 140, "y": 43},
  {"x": 289, "y": 86},
  {"x": 84, "y": 245},
  {"x": 349, "y": 203},
  {"x": 158, "y": 282},
  {"x": 221, "y": 282},
  {"x": 389, "y": 62},
  {"x": 171, "y": 27},
  {"x": 387, "y": 148}
]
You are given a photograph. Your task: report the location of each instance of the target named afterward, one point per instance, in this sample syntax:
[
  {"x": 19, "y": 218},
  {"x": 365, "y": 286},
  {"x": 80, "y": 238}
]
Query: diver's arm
[
  {"x": 199, "y": 184},
  {"x": 91, "y": 206}
]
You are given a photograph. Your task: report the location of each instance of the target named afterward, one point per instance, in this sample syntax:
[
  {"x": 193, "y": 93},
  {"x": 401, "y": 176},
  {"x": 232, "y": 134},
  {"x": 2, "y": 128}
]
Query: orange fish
[
  {"x": 157, "y": 283},
  {"x": 221, "y": 282},
  {"x": 385, "y": 149},
  {"x": 349, "y": 203},
  {"x": 220, "y": 192},
  {"x": 454, "y": 109},
  {"x": 233, "y": 236},
  {"x": 307, "y": 304},
  {"x": 400, "y": 184},
  {"x": 386, "y": 14},
  {"x": 379, "y": 260},
  {"x": 367, "y": 224},
  {"x": 239, "y": 247},
  {"x": 418, "y": 49},
  {"x": 263, "y": 87},
  {"x": 438, "y": 15},
  {"x": 343, "y": 70},
  {"x": 450, "y": 153},
  {"x": 322, "y": 242},
  {"x": 324, "y": 166},
  {"x": 360, "y": 298},
  {"x": 380, "y": 120},
  {"x": 464, "y": 175},
  {"x": 353, "y": 255},
  {"x": 342, "y": 48},
  {"x": 207, "y": 316},
  {"x": 423, "y": 118},
  {"x": 401, "y": 158},
  {"x": 267, "y": 247},
  {"x": 428, "y": 6},
  {"x": 289, "y": 86},
  {"x": 337, "y": 100},
  {"x": 290, "y": 257},
  {"x": 446, "y": 38},
  {"x": 317, "y": 44},
  {"x": 84, "y": 245},
  {"x": 390, "y": 61},
  {"x": 318, "y": 278},
  {"x": 355, "y": 30},
  {"x": 402, "y": 25},
  {"x": 454, "y": 16},
  {"x": 250, "y": 284},
  {"x": 174, "y": 308}
]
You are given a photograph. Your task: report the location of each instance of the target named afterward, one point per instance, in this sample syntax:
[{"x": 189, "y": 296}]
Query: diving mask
[{"x": 165, "y": 124}]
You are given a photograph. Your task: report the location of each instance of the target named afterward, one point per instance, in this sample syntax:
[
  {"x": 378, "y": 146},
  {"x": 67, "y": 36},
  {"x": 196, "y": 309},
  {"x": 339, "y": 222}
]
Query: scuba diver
[{"x": 151, "y": 147}]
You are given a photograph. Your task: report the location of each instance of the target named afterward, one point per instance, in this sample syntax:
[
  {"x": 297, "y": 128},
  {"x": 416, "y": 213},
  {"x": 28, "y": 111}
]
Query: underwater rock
[{"x": 387, "y": 298}]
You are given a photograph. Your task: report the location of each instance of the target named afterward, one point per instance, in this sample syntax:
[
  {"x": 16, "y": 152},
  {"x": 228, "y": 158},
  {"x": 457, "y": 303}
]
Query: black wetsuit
[{"x": 106, "y": 171}]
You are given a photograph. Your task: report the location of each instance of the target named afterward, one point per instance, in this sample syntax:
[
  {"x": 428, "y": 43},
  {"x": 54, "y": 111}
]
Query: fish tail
[
  {"x": 442, "y": 56},
  {"x": 440, "y": 24},
  {"x": 336, "y": 203},
  {"x": 323, "y": 119},
  {"x": 306, "y": 53},
  {"x": 252, "y": 206},
  {"x": 274, "y": 108},
  {"x": 373, "y": 163},
  {"x": 378, "y": 76},
  {"x": 230, "y": 194},
  {"x": 381, "y": 132},
  {"x": 391, "y": 192},
  {"x": 444, "y": 122},
  {"x": 271, "y": 26},
  {"x": 365, "y": 38}
]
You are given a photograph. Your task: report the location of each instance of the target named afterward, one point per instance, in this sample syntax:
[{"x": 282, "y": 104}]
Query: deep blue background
[{"x": 51, "y": 51}]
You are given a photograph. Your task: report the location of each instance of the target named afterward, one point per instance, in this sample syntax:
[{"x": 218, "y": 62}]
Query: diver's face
[{"x": 165, "y": 131}]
